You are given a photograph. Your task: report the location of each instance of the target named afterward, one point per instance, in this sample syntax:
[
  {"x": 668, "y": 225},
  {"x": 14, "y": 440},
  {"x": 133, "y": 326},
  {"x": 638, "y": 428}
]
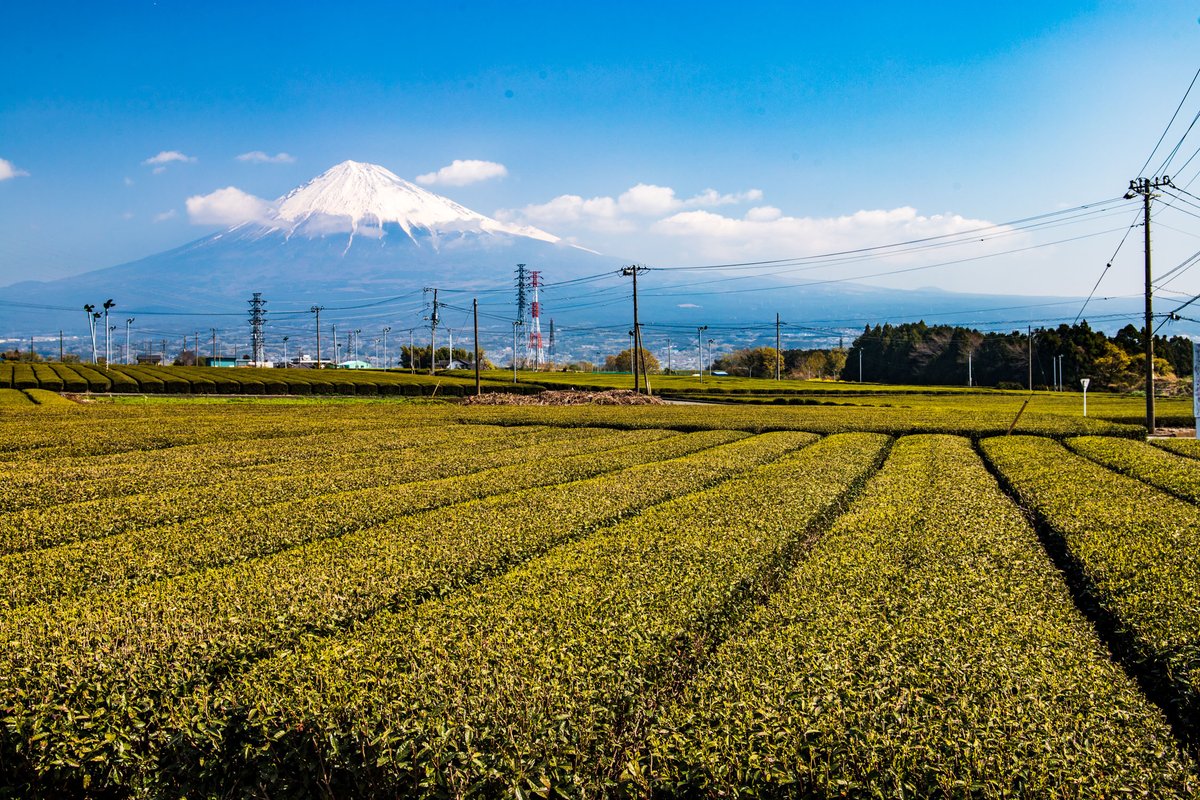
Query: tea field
[{"x": 384, "y": 599}]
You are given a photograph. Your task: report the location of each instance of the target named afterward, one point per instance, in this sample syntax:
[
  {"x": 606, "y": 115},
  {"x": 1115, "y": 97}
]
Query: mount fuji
[{"x": 356, "y": 233}]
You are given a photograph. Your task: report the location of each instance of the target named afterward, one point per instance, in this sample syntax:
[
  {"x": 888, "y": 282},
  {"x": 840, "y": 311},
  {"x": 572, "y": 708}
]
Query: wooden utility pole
[
  {"x": 1146, "y": 187},
  {"x": 475, "y": 315},
  {"x": 635, "y": 355},
  {"x": 778, "y": 352}
]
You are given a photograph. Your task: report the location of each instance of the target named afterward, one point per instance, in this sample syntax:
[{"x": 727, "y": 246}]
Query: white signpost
[
  {"x": 1196, "y": 386},
  {"x": 1085, "y": 382}
]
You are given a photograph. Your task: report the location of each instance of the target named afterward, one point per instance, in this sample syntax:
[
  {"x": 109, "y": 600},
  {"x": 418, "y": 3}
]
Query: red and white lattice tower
[{"x": 535, "y": 330}]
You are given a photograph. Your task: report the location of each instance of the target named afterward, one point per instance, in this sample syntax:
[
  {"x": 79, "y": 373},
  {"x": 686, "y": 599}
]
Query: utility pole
[
  {"x": 1145, "y": 187},
  {"x": 778, "y": 352},
  {"x": 89, "y": 309},
  {"x": 412, "y": 366},
  {"x": 552, "y": 341},
  {"x": 317, "y": 310},
  {"x": 668, "y": 355},
  {"x": 700, "y": 348},
  {"x": 285, "y": 359},
  {"x": 1029, "y": 333},
  {"x": 60, "y": 346},
  {"x": 475, "y": 317},
  {"x": 128, "y": 322},
  {"x": 385, "y": 353},
  {"x": 213, "y": 332},
  {"x": 433, "y": 322},
  {"x": 450, "y": 337},
  {"x": 516, "y": 324},
  {"x": 970, "y": 376},
  {"x": 860, "y": 380},
  {"x": 107, "y": 333},
  {"x": 333, "y": 338},
  {"x": 635, "y": 353}
]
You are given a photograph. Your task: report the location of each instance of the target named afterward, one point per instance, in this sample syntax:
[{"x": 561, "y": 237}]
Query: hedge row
[
  {"x": 96, "y": 695},
  {"x": 538, "y": 681},
  {"x": 258, "y": 381},
  {"x": 926, "y": 648},
  {"x": 152, "y": 499},
  {"x": 1132, "y": 549}
]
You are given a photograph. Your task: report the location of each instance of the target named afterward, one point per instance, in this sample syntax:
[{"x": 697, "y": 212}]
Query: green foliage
[
  {"x": 1134, "y": 548},
  {"x": 621, "y": 362},
  {"x": 758, "y": 361},
  {"x": 537, "y": 681},
  {"x": 925, "y": 648},
  {"x": 1155, "y": 466},
  {"x": 916, "y": 353},
  {"x": 136, "y": 673}
]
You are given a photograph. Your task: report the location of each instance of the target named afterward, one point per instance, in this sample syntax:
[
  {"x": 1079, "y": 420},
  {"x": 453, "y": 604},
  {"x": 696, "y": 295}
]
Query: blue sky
[{"x": 818, "y": 125}]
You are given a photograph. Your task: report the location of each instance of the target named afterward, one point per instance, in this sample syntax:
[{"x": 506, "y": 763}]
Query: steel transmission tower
[
  {"x": 258, "y": 318},
  {"x": 522, "y": 299}
]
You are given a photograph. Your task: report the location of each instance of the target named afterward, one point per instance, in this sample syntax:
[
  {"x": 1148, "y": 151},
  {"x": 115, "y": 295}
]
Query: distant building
[
  {"x": 354, "y": 365},
  {"x": 150, "y": 359},
  {"x": 218, "y": 361},
  {"x": 453, "y": 363}
]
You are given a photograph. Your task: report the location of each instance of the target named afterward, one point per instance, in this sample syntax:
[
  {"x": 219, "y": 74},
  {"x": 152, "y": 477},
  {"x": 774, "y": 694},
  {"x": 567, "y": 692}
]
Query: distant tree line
[{"x": 916, "y": 353}]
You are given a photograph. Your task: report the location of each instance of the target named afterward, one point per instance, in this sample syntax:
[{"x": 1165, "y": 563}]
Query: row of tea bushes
[
  {"x": 927, "y": 647},
  {"x": 95, "y": 691},
  {"x": 1131, "y": 548}
]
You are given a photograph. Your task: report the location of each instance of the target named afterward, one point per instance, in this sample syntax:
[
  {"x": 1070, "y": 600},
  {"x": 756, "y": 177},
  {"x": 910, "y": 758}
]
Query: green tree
[{"x": 621, "y": 361}]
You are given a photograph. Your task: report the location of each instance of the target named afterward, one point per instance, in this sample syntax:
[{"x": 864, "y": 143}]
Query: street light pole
[{"x": 700, "y": 348}]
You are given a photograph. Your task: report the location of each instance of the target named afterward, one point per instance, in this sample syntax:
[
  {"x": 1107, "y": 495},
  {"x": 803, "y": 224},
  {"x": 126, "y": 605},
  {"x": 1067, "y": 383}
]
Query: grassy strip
[
  {"x": 1153, "y": 465},
  {"x": 534, "y": 683},
  {"x": 142, "y": 556},
  {"x": 92, "y": 689},
  {"x": 418, "y": 456},
  {"x": 926, "y": 648},
  {"x": 45, "y": 397},
  {"x": 1131, "y": 551}
]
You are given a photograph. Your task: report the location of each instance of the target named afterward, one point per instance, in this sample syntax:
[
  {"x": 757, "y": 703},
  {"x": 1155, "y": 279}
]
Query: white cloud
[
  {"x": 686, "y": 305},
  {"x": 166, "y": 215},
  {"x": 127, "y": 215},
  {"x": 767, "y": 233},
  {"x": 165, "y": 157},
  {"x": 259, "y": 157},
  {"x": 711, "y": 197},
  {"x": 763, "y": 214},
  {"x": 128, "y": 181},
  {"x": 7, "y": 171},
  {"x": 462, "y": 172},
  {"x": 228, "y": 206},
  {"x": 612, "y": 215}
]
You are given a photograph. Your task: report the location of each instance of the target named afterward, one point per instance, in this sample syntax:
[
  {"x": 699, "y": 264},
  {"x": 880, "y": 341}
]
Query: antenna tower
[
  {"x": 258, "y": 318},
  {"x": 535, "y": 332}
]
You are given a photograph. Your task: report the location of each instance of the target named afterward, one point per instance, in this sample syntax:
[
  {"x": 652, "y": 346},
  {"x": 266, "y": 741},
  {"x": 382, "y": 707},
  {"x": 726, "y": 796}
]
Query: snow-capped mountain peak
[{"x": 363, "y": 199}]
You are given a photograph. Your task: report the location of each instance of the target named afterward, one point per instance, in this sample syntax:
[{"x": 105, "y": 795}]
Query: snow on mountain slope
[{"x": 364, "y": 199}]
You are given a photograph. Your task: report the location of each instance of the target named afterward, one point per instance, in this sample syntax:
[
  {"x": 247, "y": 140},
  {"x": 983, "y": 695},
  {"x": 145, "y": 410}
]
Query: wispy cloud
[
  {"x": 765, "y": 231},
  {"x": 259, "y": 157},
  {"x": 8, "y": 170},
  {"x": 228, "y": 206},
  {"x": 160, "y": 161},
  {"x": 618, "y": 214},
  {"x": 166, "y": 215},
  {"x": 463, "y": 172}
]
